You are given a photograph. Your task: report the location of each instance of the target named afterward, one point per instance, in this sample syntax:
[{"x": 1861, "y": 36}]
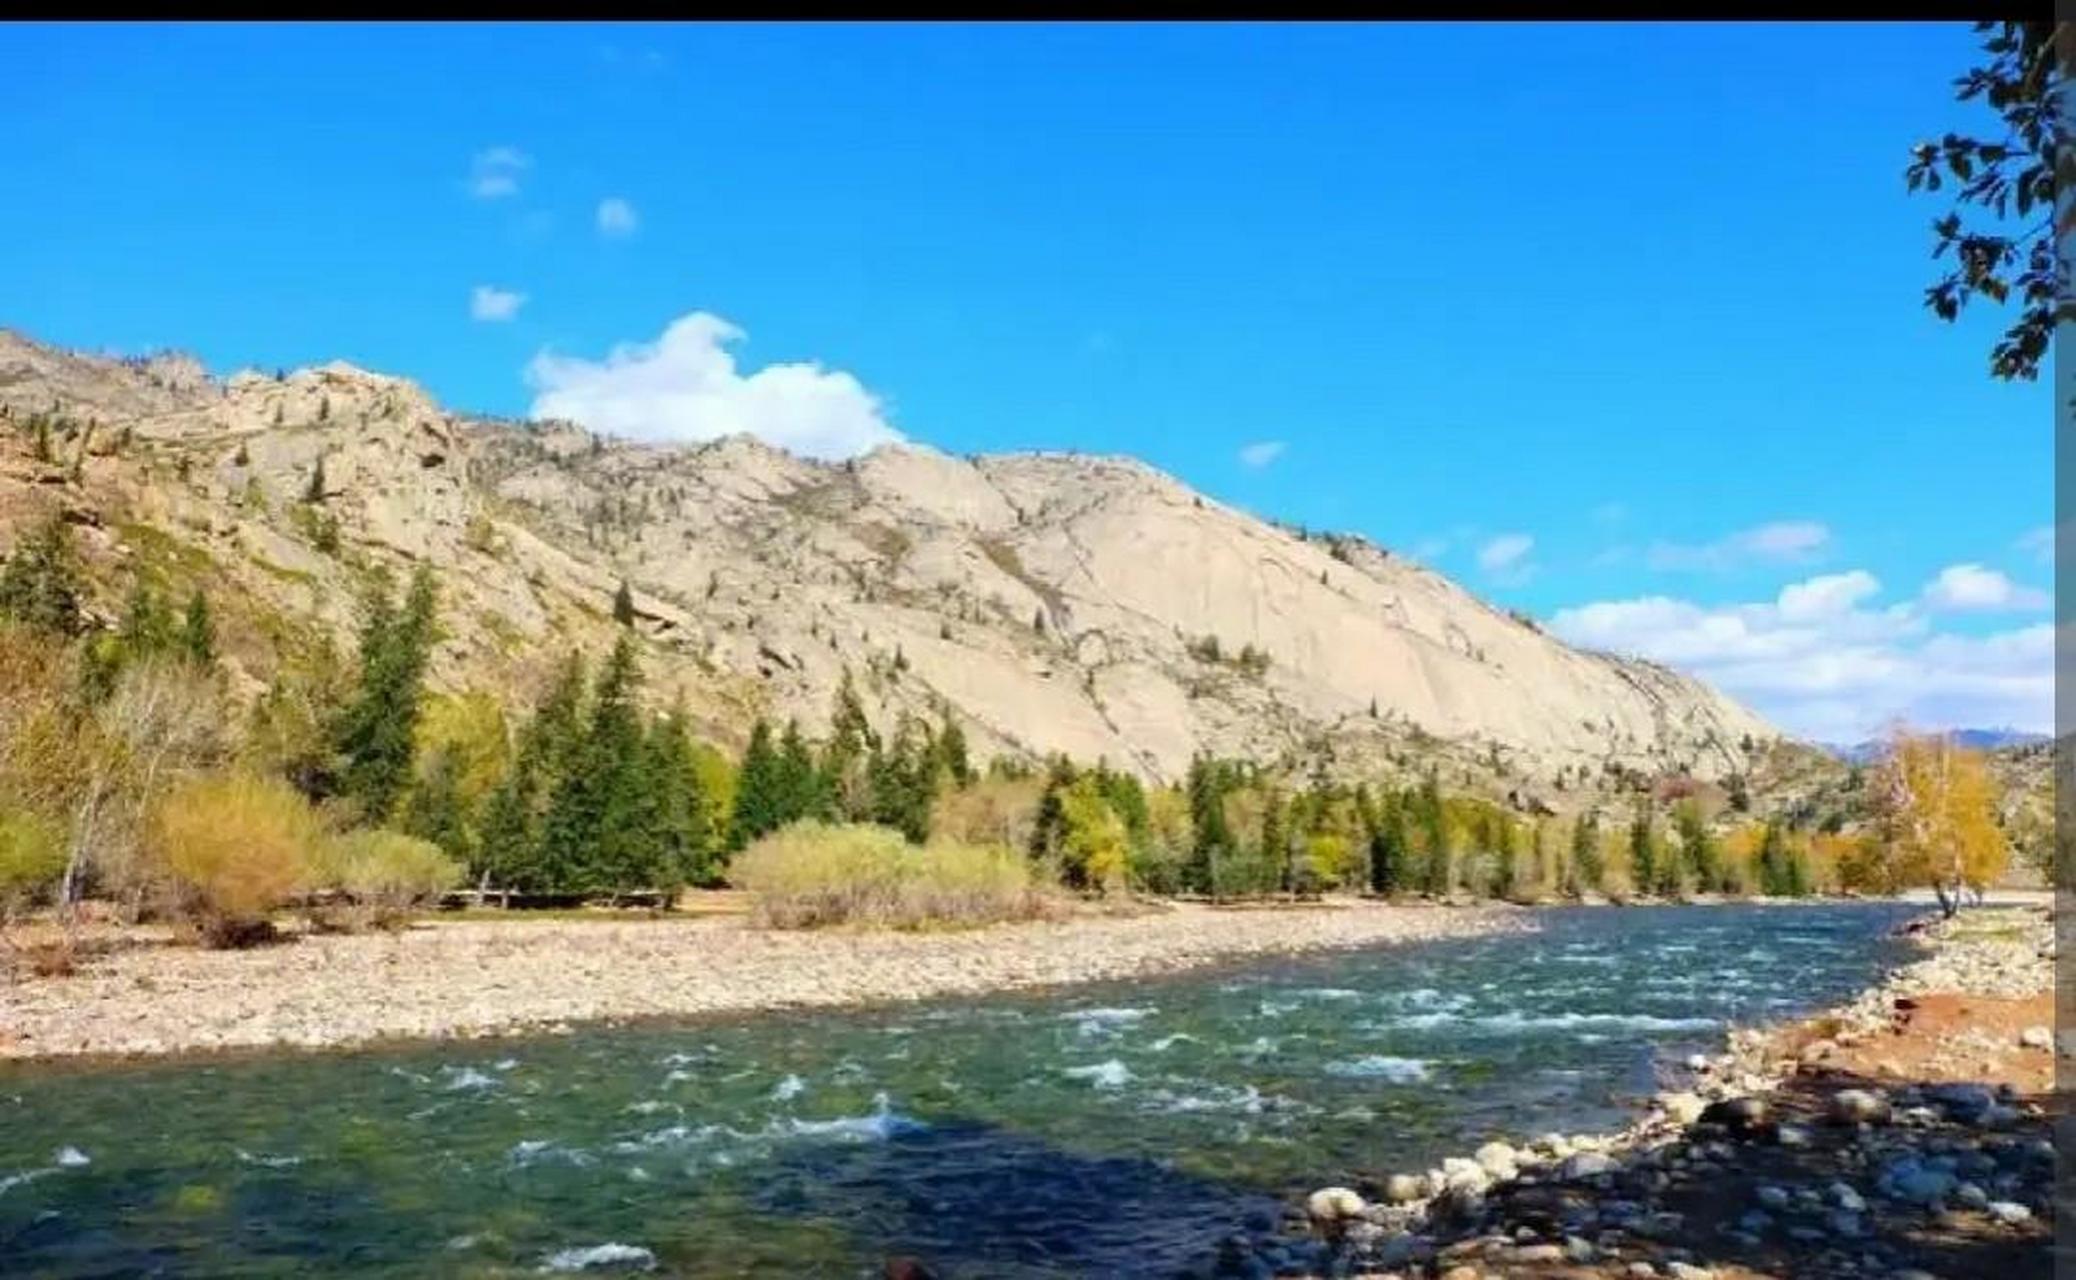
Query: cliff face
[{"x": 1053, "y": 602}]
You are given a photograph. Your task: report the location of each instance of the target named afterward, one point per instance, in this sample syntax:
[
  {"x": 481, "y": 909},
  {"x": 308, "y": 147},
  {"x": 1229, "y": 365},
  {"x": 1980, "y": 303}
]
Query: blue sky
[{"x": 1619, "y": 325}]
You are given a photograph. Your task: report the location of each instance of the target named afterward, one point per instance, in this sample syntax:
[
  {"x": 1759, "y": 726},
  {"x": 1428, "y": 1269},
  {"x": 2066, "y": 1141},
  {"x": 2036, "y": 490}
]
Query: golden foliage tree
[{"x": 1938, "y": 813}]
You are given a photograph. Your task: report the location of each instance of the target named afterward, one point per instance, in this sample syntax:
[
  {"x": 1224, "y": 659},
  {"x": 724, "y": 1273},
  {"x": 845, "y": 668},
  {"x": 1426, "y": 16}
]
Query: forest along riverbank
[
  {"x": 1905, "y": 1134},
  {"x": 477, "y": 978}
]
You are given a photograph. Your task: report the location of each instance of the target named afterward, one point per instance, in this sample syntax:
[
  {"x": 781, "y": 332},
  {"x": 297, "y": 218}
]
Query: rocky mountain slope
[{"x": 1052, "y": 602}]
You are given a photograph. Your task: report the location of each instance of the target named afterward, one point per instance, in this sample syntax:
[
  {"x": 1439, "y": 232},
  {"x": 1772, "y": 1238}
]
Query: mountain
[
  {"x": 1975, "y": 739},
  {"x": 1050, "y": 601}
]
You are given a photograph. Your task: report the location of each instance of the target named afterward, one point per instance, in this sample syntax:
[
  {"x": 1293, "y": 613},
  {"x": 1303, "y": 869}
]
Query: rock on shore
[{"x": 479, "y": 978}]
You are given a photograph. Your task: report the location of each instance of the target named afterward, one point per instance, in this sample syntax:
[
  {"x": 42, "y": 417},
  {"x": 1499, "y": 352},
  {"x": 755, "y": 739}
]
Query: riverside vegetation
[{"x": 350, "y": 789}]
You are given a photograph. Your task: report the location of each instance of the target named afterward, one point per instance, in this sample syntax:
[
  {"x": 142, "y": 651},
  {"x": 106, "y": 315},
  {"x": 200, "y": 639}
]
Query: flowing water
[{"x": 1114, "y": 1130}]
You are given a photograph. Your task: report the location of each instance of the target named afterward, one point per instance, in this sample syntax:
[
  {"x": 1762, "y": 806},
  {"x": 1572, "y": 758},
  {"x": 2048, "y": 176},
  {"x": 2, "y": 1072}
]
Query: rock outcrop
[{"x": 1052, "y": 602}]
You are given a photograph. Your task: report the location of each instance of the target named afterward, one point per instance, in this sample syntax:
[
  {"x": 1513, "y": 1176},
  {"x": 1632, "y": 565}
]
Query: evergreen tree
[
  {"x": 623, "y": 604},
  {"x": 760, "y": 801},
  {"x": 1049, "y": 826},
  {"x": 1775, "y": 872},
  {"x": 197, "y": 641},
  {"x": 1586, "y": 870},
  {"x": 146, "y": 628},
  {"x": 844, "y": 757},
  {"x": 40, "y": 583},
  {"x": 1275, "y": 842},
  {"x": 599, "y": 832},
  {"x": 800, "y": 782},
  {"x": 904, "y": 784},
  {"x": 1698, "y": 849},
  {"x": 313, "y": 493},
  {"x": 684, "y": 835},
  {"x": 1643, "y": 852},
  {"x": 375, "y": 735},
  {"x": 1389, "y": 847},
  {"x": 951, "y": 752},
  {"x": 1506, "y": 875},
  {"x": 1437, "y": 866},
  {"x": 1213, "y": 840}
]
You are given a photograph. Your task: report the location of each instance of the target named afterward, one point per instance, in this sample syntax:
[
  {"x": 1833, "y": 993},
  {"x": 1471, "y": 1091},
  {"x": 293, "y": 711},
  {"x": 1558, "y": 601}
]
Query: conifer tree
[
  {"x": 1506, "y": 875},
  {"x": 1388, "y": 847},
  {"x": 146, "y": 628},
  {"x": 40, "y": 583},
  {"x": 599, "y": 832},
  {"x": 375, "y": 734},
  {"x": 1586, "y": 871},
  {"x": 623, "y": 604},
  {"x": 435, "y": 809},
  {"x": 759, "y": 791},
  {"x": 197, "y": 640},
  {"x": 904, "y": 784},
  {"x": 684, "y": 835},
  {"x": 951, "y": 753},
  {"x": 1049, "y": 827},
  {"x": 1209, "y": 780},
  {"x": 1643, "y": 852},
  {"x": 1698, "y": 849},
  {"x": 800, "y": 782},
  {"x": 845, "y": 756},
  {"x": 1438, "y": 864},
  {"x": 1275, "y": 842},
  {"x": 313, "y": 493}
]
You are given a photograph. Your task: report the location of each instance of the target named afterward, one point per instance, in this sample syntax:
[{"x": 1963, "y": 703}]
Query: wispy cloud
[
  {"x": 1974, "y": 588},
  {"x": 1261, "y": 453},
  {"x": 685, "y": 386},
  {"x": 492, "y": 304},
  {"x": 616, "y": 218},
  {"x": 1505, "y": 558},
  {"x": 494, "y": 172},
  {"x": 2038, "y": 543},
  {"x": 1781, "y": 542}
]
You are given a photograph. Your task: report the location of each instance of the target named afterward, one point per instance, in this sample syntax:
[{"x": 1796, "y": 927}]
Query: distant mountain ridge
[
  {"x": 1050, "y": 601},
  {"x": 1975, "y": 739}
]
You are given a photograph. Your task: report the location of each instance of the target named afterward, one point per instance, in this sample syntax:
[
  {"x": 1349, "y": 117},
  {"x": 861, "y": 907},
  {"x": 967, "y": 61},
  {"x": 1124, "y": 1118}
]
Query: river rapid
[{"x": 1113, "y": 1130}]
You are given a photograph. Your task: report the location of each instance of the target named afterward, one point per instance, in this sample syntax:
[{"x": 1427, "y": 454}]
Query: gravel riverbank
[
  {"x": 477, "y": 978},
  {"x": 1905, "y": 1135}
]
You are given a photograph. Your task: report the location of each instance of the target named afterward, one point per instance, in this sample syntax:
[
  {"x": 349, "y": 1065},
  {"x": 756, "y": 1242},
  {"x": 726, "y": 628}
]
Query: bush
[
  {"x": 236, "y": 847},
  {"x": 32, "y": 857},
  {"x": 812, "y": 874},
  {"x": 382, "y": 875}
]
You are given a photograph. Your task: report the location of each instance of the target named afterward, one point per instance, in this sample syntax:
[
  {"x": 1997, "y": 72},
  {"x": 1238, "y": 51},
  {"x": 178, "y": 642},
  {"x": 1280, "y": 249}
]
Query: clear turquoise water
[{"x": 1117, "y": 1130}]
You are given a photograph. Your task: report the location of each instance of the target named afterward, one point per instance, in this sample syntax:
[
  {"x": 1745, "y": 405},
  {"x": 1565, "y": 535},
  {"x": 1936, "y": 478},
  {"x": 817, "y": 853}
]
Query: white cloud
[
  {"x": 1504, "y": 552},
  {"x": 490, "y": 303},
  {"x": 2038, "y": 543},
  {"x": 1261, "y": 453},
  {"x": 616, "y": 217},
  {"x": 494, "y": 172},
  {"x": 685, "y": 387},
  {"x": 1962, "y": 587},
  {"x": 1822, "y": 662},
  {"x": 1781, "y": 542}
]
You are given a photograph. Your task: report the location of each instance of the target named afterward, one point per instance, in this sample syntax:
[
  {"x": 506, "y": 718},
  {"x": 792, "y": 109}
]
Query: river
[{"x": 1113, "y": 1130}]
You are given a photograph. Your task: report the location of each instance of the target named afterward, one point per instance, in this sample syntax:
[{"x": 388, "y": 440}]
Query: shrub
[
  {"x": 811, "y": 874},
  {"x": 236, "y": 847},
  {"x": 32, "y": 857},
  {"x": 381, "y": 875}
]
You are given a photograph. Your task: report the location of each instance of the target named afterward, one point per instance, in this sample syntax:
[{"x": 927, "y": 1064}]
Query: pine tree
[
  {"x": 1698, "y": 849},
  {"x": 375, "y": 734},
  {"x": 1643, "y": 852},
  {"x": 1775, "y": 873},
  {"x": 800, "y": 782},
  {"x": 1213, "y": 840},
  {"x": 903, "y": 784},
  {"x": 197, "y": 641},
  {"x": 1506, "y": 875},
  {"x": 683, "y": 833},
  {"x": 951, "y": 753},
  {"x": 1388, "y": 848},
  {"x": 844, "y": 756},
  {"x": 623, "y": 604},
  {"x": 40, "y": 584},
  {"x": 598, "y": 834},
  {"x": 1438, "y": 865},
  {"x": 1586, "y": 870},
  {"x": 313, "y": 493},
  {"x": 146, "y": 629},
  {"x": 759, "y": 791}
]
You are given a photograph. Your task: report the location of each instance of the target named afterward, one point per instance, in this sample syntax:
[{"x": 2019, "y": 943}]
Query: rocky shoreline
[
  {"x": 1904, "y": 1135},
  {"x": 470, "y": 979}
]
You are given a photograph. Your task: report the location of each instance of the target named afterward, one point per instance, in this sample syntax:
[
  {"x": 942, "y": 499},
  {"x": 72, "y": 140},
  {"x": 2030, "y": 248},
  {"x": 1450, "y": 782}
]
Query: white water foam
[
  {"x": 882, "y": 1123},
  {"x": 787, "y": 1089},
  {"x": 467, "y": 1078},
  {"x": 1103, "y": 1075},
  {"x": 1166, "y": 1043},
  {"x": 70, "y": 1158},
  {"x": 1092, "y": 1022},
  {"x": 1378, "y": 1066},
  {"x": 269, "y": 1162},
  {"x": 610, "y": 1254}
]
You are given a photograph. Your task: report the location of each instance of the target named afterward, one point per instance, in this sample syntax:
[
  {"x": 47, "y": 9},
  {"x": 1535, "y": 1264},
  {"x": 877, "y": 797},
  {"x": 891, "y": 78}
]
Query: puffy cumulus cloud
[
  {"x": 1823, "y": 662},
  {"x": 1261, "y": 453},
  {"x": 685, "y": 386},
  {"x": 1961, "y": 587},
  {"x": 616, "y": 218},
  {"x": 1780, "y": 542},
  {"x": 490, "y": 303},
  {"x": 494, "y": 172}
]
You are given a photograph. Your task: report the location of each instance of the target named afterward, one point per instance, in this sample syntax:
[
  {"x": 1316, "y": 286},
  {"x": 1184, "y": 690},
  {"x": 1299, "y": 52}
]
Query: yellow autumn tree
[{"x": 1938, "y": 813}]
